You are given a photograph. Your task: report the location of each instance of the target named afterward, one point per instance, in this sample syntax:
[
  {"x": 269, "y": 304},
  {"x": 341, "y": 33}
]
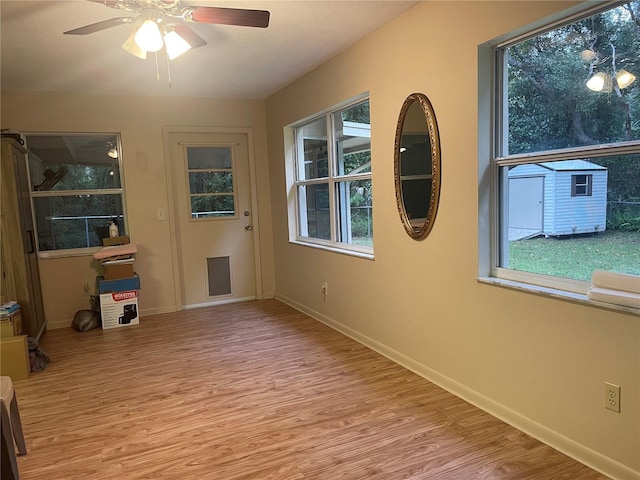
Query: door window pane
[
  {"x": 211, "y": 186},
  {"x": 212, "y": 206},
  {"x": 211, "y": 182},
  {"x": 208, "y": 158}
]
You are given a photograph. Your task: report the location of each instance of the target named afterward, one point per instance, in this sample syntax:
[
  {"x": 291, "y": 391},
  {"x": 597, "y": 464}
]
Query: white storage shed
[{"x": 558, "y": 198}]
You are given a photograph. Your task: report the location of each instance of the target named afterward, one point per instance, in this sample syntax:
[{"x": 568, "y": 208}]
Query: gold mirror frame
[{"x": 418, "y": 232}]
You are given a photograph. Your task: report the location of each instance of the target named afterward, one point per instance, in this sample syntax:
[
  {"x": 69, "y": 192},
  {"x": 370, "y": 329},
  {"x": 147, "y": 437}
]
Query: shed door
[{"x": 525, "y": 202}]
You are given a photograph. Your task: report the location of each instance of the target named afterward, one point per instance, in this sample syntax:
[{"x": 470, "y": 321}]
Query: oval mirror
[{"x": 417, "y": 165}]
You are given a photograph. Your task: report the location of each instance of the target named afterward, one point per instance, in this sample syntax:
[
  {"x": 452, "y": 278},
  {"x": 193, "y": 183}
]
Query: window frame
[
  {"x": 492, "y": 106},
  {"x": 334, "y": 181},
  {"x": 34, "y": 194},
  {"x": 582, "y": 188}
]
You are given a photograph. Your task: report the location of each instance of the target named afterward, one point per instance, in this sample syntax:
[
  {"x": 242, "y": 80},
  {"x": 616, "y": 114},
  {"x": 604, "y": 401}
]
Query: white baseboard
[
  {"x": 217, "y": 302},
  {"x": 157, "y": 311},
  {"x": 581, "y": 453},
  {"x": 57, "y": 324}
]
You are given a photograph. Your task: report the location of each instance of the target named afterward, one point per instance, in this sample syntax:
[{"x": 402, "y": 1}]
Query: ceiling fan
[{"x": 163, "y": 23}]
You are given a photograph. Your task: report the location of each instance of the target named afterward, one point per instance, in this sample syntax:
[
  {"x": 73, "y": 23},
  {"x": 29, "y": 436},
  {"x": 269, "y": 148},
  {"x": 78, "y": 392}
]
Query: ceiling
[{"x": 238, "y": 62}]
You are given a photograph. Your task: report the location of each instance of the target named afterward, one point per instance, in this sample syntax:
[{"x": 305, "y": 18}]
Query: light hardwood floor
[{"x": 255, "y": 391}]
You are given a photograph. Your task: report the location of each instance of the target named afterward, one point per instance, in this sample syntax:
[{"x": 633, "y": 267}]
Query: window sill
[
  {"x": 558, "y": 294},
  {"x": 352, "y": 253},
  {"x": 75, "y": 252}
]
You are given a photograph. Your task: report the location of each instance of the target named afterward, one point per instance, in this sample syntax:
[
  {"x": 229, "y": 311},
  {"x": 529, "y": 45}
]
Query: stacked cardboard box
[
  {"x": 118, "y": 287},
  {"x": 119, "y": 301},
  {"x": 117, "y": 257},
  {"x": 120, "y": 263}
]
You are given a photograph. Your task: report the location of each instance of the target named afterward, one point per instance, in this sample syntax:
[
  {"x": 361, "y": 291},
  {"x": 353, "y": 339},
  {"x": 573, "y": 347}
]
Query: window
[
  {"x": 211, "y": 192},
  {"x": 332, "y": 179},
  {"x": 76, "y": 188},
  {"x": 581, "y": 185},
  {"x": 564, "y": 154}
]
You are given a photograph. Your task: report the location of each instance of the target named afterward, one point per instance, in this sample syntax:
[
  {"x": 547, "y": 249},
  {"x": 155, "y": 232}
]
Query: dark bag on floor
[{"x": 37, "y": 358}]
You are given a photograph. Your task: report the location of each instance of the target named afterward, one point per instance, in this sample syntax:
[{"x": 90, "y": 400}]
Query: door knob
[{"x": 248, "y": 227}]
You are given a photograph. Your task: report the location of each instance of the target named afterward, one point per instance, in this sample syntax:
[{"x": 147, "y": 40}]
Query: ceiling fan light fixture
[
  {"x": 132, "y": 47},
  {"x": 597, "y": 82},
  {"x": 175, "y": 44},
  {"x": 148, "y": 36},
  {"x": 624, "y": 78}
]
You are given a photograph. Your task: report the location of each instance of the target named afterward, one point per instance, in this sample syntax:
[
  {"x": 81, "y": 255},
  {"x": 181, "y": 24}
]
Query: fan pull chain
[
  {"x": 169, "y": 81},
  {"x": 157, "y": 68}
]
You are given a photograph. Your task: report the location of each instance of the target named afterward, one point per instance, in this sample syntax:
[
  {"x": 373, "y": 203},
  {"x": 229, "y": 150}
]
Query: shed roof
[{"x": 572, "y": 165}]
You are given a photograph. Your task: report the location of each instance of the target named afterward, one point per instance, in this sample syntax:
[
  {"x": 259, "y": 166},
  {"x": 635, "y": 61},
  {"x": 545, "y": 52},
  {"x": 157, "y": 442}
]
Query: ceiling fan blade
[
  {"x": 228, "y": 16},
  {"x": 103, "y": 25},
  {"x": 191, "y": 37}
]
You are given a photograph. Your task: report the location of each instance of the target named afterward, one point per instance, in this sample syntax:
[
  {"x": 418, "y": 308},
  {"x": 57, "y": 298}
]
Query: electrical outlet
[
  {"x": 325, "y": 291},
  {"x": 612, "y": 397}
]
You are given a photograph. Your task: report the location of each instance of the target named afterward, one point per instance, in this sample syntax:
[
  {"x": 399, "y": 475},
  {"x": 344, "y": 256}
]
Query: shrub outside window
[
  {"x": 566, "y": 154},
  {"x": 332, "y": 186},
  {"x": 76, "y": 188}
]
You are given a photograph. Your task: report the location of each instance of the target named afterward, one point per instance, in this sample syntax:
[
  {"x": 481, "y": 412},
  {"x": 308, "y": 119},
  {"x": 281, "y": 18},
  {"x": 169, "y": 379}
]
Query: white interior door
[{"x": 212, "y": 217}]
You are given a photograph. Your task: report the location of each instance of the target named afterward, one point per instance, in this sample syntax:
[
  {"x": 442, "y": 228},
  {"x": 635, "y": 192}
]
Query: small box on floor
[{"x": 119, "y": 309}]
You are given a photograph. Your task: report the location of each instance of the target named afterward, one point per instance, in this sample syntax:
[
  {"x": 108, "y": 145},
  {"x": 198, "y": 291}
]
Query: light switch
[{"x": 160, "y": 214}]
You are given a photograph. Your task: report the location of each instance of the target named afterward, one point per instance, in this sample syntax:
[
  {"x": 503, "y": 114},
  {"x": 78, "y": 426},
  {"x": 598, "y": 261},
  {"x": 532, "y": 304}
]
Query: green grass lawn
[{"x": 577, "y": 256}]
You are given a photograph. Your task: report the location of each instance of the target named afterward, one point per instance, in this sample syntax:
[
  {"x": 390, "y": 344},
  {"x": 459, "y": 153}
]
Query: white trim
[
  {"x": 334, "y": 248},
  {"x": 536, "y": 289},
  {"x": 556, "y": 440},
  {"x": 71, "y": 252},
  {"x": 217, "y": 302},
  {"x": 147, "y": 312},
  {"x": 58, "y": 324}
]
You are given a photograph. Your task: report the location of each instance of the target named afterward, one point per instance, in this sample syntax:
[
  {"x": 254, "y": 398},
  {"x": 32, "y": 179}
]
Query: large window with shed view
[{"x": 565, "y": 150}]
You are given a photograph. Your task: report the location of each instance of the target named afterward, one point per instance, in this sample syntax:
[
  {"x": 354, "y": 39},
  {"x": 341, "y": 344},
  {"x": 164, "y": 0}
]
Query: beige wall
[
  {"x": 538, "y": 362},
  {"x": 140, "y": 122}
]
